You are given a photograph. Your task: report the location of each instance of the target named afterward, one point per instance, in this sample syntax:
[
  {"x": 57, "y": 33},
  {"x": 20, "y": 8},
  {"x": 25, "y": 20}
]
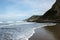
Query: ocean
[{"x": 19, "y": 30}]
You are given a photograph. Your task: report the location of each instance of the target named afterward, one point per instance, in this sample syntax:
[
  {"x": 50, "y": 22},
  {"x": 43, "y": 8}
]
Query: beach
[
  {"x": 47, "y": 33},
  {"x": 26, "y": 31}
]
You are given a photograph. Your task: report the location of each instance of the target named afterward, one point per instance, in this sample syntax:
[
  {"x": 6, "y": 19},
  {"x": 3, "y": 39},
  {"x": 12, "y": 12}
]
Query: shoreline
[
  {"x": 46, "y": 21},
  {"x": 44, "y": 33}
]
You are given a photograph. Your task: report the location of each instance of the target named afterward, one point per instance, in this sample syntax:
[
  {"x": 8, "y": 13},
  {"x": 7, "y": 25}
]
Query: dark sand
[{"x": 47, "y": 33}]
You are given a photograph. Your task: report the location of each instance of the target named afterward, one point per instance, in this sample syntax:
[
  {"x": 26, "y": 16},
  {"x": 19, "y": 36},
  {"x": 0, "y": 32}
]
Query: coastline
[
  {"x": 44, "y": 21},
  {"x": 47, "y": 33}
]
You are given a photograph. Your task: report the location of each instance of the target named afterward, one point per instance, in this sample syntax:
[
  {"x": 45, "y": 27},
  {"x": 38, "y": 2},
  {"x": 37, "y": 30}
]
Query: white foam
[{"x": 23, "y": 30}]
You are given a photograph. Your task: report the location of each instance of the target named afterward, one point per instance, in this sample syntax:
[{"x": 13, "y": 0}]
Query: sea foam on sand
[{"x": 19, "y": 30}]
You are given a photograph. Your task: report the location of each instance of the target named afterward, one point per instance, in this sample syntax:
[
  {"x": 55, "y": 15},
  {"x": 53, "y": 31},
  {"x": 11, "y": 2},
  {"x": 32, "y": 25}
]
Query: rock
[
  {"x": 54, "y": 12},
  {"x": 52, "y": 15}
]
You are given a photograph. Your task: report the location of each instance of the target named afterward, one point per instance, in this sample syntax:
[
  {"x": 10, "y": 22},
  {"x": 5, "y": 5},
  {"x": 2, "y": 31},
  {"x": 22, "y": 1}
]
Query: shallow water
[
  {"x": 19, "y": 30},
  {"x": 42, "y": 34},
  {"x": 47, "y": 33}
]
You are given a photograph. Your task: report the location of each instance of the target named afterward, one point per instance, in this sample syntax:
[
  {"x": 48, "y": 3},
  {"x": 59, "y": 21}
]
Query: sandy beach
[{"x": 47, "y": 33}]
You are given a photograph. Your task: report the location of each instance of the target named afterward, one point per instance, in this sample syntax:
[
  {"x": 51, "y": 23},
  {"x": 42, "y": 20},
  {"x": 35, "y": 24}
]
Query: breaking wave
[{"x": 19, "y": 30}]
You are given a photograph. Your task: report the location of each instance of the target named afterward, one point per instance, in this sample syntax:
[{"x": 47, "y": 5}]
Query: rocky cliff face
[
  {"x": 52, "y": 14},
  {"x": 57, "y": 8},
  {"x": 54, "y": 11}
]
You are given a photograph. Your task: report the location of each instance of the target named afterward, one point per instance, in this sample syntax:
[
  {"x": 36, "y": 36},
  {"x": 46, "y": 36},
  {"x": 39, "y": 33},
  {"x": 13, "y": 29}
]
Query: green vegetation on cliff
[{"x": 33, "y": 18}]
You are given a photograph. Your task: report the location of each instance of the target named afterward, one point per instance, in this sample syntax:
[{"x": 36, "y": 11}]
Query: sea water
[{"x": 19, "y": 30}]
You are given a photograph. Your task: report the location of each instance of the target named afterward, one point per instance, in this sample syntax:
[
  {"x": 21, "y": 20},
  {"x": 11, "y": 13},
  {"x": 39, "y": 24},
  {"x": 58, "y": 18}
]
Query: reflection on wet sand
[{"x": 47, "y": 33}]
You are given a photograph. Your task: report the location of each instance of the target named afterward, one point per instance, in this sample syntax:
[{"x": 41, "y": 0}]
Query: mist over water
[{"x": 19, "y": 30}]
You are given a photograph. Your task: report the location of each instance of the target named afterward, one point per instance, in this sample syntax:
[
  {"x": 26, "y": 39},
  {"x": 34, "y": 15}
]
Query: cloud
[
  {"x": 13, "y": 16},
  {"x": 24, "y": 8}
]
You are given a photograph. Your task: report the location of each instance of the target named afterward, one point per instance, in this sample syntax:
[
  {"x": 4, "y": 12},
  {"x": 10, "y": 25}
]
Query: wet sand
[{"x": 47, "y": 33}]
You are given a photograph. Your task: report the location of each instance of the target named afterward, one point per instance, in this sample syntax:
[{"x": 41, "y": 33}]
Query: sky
[{"x": 23, "y": 9}]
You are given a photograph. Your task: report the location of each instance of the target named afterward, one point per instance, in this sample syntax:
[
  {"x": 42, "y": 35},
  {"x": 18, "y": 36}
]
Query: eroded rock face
[
  {"x": 51, "y": 15},
  {"x": 55, "y": 10}
]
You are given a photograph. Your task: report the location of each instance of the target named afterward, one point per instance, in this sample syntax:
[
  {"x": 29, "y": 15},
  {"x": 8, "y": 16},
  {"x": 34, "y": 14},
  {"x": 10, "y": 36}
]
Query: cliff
[
  {"x": 52, "y": 15},
  {"x": 54, "y": 12},
  {"x": 33, "y": 18}
]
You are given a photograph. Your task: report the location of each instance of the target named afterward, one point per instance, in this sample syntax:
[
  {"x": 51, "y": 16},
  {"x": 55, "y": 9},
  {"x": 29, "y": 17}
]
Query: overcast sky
[{"x": 22, "y": 9}]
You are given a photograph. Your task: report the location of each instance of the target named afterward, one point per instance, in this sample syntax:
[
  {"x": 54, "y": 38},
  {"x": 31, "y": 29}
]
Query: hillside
[{"x": 52, "y": 15}]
